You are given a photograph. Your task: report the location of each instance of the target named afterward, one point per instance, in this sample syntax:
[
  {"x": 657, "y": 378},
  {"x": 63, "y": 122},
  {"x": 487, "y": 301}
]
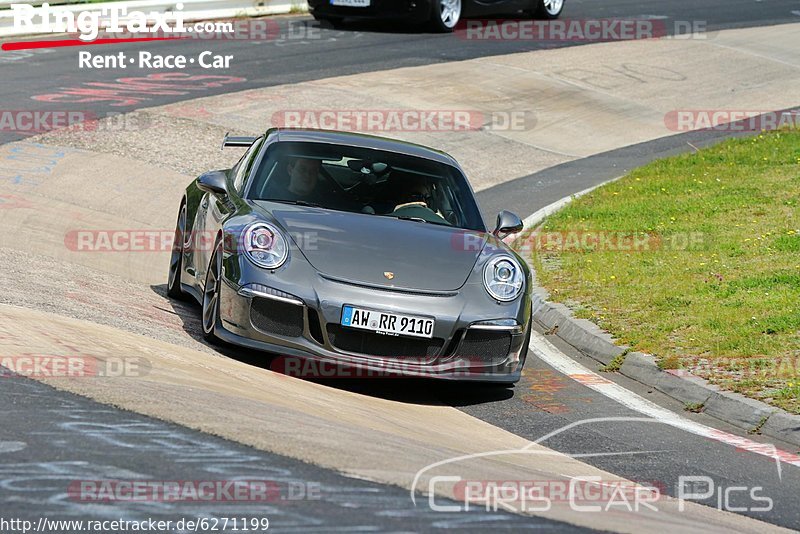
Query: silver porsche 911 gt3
[{"x": 353, "y": 250}]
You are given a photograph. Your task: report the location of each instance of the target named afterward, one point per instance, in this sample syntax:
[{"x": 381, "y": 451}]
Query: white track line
[{"x": 549, "y": 354}]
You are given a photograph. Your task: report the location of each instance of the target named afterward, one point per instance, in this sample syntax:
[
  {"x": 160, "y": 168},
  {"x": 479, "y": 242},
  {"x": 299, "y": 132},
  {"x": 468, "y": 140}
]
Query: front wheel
[
  {"x": 211, "y": 292},
  {"x": 176, "y": 259},
  {"x": 446, "y": 14},
  {"x": 548, "y": 9}
]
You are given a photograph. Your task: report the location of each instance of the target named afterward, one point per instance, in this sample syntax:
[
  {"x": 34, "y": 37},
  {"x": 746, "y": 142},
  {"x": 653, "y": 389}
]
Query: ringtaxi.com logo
[
  {"x": 115, "y": 19},
  {"x": 113, "y": 22}
]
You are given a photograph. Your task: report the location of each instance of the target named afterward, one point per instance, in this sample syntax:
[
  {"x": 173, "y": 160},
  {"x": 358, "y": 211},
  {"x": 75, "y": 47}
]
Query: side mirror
[
  {"x": 215, "y": 182},
  {"x": 507, "y": 223}
]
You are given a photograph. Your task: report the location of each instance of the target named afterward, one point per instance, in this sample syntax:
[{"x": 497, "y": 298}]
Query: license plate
[
  {"x": 350, "y": 3},
  {"x": 386, "y": 322}
]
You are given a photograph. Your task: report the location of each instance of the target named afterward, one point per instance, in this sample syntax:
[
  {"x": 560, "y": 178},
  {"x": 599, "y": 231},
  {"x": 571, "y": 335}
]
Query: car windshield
[{"x": 366, "y": 181}]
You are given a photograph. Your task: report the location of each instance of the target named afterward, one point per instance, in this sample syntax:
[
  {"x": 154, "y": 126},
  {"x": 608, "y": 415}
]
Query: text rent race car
[{"x": 354, "y": 250}]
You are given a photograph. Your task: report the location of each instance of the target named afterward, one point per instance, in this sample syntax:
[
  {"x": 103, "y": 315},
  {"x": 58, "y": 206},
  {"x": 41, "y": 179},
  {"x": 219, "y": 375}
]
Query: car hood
[{"x": 364, "y": 248}]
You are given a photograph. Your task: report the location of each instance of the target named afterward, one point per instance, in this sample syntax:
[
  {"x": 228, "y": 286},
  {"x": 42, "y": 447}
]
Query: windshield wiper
[
  {"x": 297, "y": 203},
  {"x": 417, "y": 219},
  {"x": 407, "y": 218}
]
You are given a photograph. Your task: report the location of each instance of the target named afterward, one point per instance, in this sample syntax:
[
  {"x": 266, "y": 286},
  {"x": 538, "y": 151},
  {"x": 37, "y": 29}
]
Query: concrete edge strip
[
  {"x": 743, "y": 412},
  {"x": 656, "y": 413},
  {"x": 533, "y": 220}
]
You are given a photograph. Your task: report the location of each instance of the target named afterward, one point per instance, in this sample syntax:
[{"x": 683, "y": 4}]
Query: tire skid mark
[
  {"x": 29, "y": 164},
  {"x": 550, "y": 355},
  {"x": 546, "y": 391},
  {"x": 131, "y": 91}
]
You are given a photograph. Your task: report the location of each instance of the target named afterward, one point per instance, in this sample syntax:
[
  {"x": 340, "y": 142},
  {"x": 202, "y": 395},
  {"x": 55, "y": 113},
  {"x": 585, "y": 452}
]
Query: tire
[
  {"x": 445, "y": 15},
  {"x": 176, "y": 259},
  {"x": 211, "y": 290},
  {"x": 523, "y": 355},
  {"x": 548, "y": 9}
]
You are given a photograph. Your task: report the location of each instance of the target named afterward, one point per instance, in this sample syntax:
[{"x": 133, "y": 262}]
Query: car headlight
[
  {"x": 503, "y": 278},
  {"x": 265, "y": 245}
]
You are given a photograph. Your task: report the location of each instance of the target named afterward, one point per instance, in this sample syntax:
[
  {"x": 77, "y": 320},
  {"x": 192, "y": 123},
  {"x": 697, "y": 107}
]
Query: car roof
[{"x": 336, "y": 137}]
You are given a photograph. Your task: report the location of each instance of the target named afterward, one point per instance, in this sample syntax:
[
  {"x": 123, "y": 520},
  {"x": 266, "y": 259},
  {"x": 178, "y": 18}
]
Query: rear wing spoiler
[{"x": 243, "y": 141}]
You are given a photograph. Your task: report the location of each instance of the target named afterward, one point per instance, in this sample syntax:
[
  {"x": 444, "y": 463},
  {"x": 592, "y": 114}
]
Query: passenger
[{"x": 416, "y": 201}]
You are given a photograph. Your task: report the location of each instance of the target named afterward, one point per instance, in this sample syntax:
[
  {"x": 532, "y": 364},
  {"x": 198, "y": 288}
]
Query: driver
[
  {"x": 306, "y": 181},
  {"x": 300, "y": 180},
  {"x": 304, "y": 178}
]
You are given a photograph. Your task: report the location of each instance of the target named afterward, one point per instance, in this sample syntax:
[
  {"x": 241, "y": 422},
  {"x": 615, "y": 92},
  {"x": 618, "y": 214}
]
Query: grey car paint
[{"x": 438, "y": 271}]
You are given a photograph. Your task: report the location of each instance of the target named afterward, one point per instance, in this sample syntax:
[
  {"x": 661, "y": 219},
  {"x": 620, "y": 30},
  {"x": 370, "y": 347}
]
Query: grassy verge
[{"x": 694, "y": 259}]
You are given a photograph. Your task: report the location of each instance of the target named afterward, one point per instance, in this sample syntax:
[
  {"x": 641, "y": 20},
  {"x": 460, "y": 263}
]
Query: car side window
[{"x": 242, "y": 169}]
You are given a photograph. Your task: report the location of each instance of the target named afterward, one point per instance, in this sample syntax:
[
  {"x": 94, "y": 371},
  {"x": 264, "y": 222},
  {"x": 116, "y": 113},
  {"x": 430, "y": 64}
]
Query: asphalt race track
[
  {"x": 83, "y": 440},
  {"x": 50, "y": 437},
  {"x": 289, "y": 58}
]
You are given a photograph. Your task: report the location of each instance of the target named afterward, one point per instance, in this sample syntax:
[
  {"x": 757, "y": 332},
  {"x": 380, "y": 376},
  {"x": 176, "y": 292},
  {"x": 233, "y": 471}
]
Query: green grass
[
  {"x": 615, "y": 364},
  {"x": 716, "y": 289},
  {"x": 694, "y": 407}
]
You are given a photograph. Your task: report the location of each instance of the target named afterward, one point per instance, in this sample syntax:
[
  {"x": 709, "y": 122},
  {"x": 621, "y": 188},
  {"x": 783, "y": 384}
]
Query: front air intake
[
  {"x": 487, "y": 346},
  {"x": 275, "y": 317}
]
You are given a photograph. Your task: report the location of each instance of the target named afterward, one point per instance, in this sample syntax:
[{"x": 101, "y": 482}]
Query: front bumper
[
  {"x": 296, "y": 312},
  {"x": 410, "y": 10}
]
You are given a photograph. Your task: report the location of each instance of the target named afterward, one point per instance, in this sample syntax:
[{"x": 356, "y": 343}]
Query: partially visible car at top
[
  {"x": 354, "y": 250},
  {"x": 441, "y": 15}
]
